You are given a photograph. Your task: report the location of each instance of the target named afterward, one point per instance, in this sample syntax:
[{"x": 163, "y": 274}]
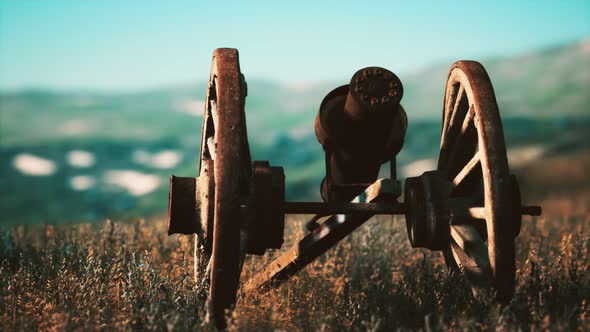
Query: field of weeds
[{"x": 131, "y": 276}]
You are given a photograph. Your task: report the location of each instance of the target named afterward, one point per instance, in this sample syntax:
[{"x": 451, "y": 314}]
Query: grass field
[
  {"x": 127, "y": 274},
  {"x": 131, "y": 276}
]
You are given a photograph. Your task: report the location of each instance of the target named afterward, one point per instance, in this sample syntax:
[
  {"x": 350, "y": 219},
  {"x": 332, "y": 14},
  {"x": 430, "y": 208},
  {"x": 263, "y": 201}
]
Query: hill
[
  {"x": 84, "y": 155},
  {"x": 548, "y": 83}
]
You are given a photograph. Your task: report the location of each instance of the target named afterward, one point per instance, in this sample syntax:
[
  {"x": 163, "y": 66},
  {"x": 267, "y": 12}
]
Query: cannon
[{"x": 469, "y": 207}]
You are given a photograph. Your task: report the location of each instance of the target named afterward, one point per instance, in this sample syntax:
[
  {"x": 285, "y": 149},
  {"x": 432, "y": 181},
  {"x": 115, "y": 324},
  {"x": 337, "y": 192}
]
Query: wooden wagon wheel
[
  {"x": 223, "y": 179},
  {"x": 473, "y": 158}
]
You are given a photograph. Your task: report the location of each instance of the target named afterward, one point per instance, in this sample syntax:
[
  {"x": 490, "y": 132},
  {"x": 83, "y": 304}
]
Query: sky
[{"x": 131, "y": 45}]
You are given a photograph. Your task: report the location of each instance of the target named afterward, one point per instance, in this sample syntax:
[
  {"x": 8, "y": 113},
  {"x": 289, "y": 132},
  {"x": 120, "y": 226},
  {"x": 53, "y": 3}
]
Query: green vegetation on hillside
[{"x": 543, "y": 97}]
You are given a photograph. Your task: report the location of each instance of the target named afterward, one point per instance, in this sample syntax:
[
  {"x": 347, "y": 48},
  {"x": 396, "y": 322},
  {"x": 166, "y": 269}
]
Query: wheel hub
[
  {"x": 427, "y": 220},
  {"x": 265, "y": 219}
]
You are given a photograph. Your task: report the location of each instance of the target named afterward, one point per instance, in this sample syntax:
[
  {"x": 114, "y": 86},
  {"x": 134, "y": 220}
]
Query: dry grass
[{"x": 130, "y": 276}]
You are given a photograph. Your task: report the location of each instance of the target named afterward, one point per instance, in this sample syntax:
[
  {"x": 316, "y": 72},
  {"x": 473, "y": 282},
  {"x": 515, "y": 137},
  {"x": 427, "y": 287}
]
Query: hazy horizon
[
  {"x": 288, "y": 84},
  {"x": 109, "y": 45}
]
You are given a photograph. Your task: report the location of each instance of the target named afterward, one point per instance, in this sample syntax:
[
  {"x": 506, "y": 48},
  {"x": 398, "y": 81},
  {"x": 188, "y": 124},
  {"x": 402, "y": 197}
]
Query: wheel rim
[
  {"x": 473, "y": 157},
  {"x": 224, "y": 164}
]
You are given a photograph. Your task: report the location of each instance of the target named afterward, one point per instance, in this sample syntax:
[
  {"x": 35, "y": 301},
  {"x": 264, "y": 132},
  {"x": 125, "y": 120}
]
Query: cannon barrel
[{"x": 360, "y": 125}]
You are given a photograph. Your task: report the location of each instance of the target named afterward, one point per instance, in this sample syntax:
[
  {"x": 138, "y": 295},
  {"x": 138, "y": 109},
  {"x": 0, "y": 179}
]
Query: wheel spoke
[
  {"x": 467, "y": 170},
  {"x": 459, "y": 134},
  {"x": 467, "y": 238},
  {"x": 461, "y": 99},
  {"x": 453, "y": 133},
  {"x": 458, "y": 143},
  {"x": 467, "y": 121},
  {"x": 476, "y": 212},
  {"x": 450, "y": 102},
  {"x": 478, "y": 223},
  {"x": 470, "y": 252},
  {"x": 450, "y": 118}
]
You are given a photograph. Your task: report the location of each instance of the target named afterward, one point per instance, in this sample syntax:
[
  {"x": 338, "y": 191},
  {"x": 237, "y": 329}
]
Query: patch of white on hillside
[
  {"x": 164, "y": 159},
  {"x": 80, "y": 158},
  {"x": 81, "y": 182},
  {"x": 190, "y": 106},
  {"x": 524, "y": 155},
  {"x": 29, "y": 164},
  {"x": 135, "y": 183}
]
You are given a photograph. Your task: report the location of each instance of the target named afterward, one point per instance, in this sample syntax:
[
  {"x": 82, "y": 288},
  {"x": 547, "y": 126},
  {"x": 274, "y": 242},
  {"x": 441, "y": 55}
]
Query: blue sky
[{"x": 126, "y": 45}]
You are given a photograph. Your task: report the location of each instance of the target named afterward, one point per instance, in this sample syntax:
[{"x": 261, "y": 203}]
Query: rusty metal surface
[
  {"x": 229, "y": 164},
  {"x": 372, "y": 90},
  {"x": 205, "y": 205},
  {"x": 182, "y": 210},
  {"x": 473, "y": 155},
  {"x": 324, "y": 209},
  {"x": 266, "y": 219},
  {"x": 323, "y": 238},
  {"x": 427, "y": 219},
  {"x": 360, "y": 126},
  {"x": 470, "y": 207}
]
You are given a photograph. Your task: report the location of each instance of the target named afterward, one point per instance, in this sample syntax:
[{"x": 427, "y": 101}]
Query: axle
[
  {"x": 345, "y": 219},
  {"x": 379, "y": 208},
  {"x": 324, "y": 209}
]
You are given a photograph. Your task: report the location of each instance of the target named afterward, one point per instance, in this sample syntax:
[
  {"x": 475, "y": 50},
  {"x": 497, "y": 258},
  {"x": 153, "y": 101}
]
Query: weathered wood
[
  {"x": 462, "y": 154},
  {"x": 226, "y": 142},
  {"x": 214, "y": 114},
  {"x": 458, "y": 113},
  {"x": 322, "y": 238},
  {"x": 470, "y": 252},
  {"x": 474, "y": 212},
  {"x": 466, "y": 170},
  {"x": 454, "y": 92},
  {"x": 212, "y": 147},
  {"x": 455, "y": 142}
]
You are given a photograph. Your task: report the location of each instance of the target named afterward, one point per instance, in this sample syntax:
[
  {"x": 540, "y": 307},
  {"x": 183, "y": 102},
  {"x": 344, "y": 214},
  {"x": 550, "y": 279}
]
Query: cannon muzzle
[{"x": 360, "y": 125}]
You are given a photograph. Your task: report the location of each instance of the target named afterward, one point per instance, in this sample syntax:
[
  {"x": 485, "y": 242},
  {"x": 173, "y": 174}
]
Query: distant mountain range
[
  {"x": 552, "y": 82},
  {"x": 108, "y": 154}
]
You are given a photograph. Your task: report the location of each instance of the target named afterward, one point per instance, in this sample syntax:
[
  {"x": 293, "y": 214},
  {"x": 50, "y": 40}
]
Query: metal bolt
[
  {"x": 358, "y": 89},
  {"x": 385, "y": 100},
  {"x": 392, "y": 93},
  {"x": 387, "y": 76},
  {"x": 374, "y": 100}
]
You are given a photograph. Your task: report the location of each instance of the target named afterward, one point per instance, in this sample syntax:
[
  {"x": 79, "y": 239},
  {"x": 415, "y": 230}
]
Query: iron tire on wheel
[
  {"x": 223, "y": 178},
  {"x": 473, "y": 159}
]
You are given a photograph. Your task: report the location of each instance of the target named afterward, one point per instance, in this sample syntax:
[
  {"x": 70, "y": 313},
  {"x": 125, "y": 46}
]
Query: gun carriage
[{"x": 469, "y": 208}]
